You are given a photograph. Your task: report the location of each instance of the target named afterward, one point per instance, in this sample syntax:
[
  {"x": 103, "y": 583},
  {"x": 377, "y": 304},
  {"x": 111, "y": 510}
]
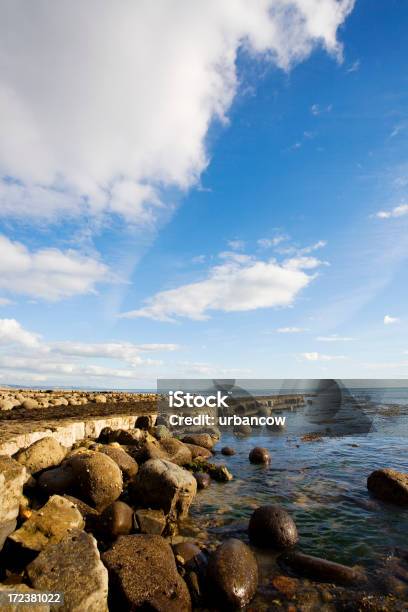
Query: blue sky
[{"x": 190, "y": 194}]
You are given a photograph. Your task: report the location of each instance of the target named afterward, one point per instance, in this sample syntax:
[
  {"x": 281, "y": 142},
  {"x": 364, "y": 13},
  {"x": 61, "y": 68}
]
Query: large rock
[
  {"x": 199, "y": 452},
  {"x": 272, "y": 527},
  {"x": 321, "y": 569},
  {"x": 143, "y": 575},
  {"x": 12, "y": 478},
  {"x": 74, "y": 567},
  {"x": 150, "y": 521},
  {"x": 389, "y": 485},
  {"x": 43, "y": 454},
  {"x": 29, "y": 404},
  {"x": 161, "y": 484},
  {"x": 57, "y": 480},
  {"x": 49, "y": 524},
  {"x": 259, "y": 455},
  {"x": 115, "y": 520},
  {"x": 200, "y": 439},
  {"x": 232, "y": 574},
  {"x": 127, "y": 464},
  {"x": 98, "y": 479},
  {"x": 170, "y": 448}
]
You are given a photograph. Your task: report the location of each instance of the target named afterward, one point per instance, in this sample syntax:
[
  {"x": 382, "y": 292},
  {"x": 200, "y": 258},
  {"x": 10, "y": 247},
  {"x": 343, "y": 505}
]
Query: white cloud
[
  {"x": 267, "y": 243},
  {"x": 48, "y": 273},
  {"x": 354, "y": 67},
  {"x": 397, "y": 211},
  {"x": 317, "y": 109},
  {"x": 290, "y": 330},
  {"x": 236, "y": 245},
  {"x": 117, "y": 98},
  {"x": 334, "y": 338},
  {"x": 314, "y": 356},
  {"x": 11, "y": 332},
  {"x": 5, "y": 301},
  {"x": 239, "y": 284},
  {"x": 388, "y": 320},
  {"x": 123, "y": 351}
]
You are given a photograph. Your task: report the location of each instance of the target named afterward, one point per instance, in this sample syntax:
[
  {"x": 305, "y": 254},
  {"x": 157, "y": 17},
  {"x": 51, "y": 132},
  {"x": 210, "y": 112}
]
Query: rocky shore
[{"x": 106, "y": 521}]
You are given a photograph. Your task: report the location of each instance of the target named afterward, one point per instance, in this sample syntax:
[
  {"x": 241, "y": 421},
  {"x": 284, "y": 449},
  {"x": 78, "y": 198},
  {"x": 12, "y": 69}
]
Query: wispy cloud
[
  {"x": 291, "y": 330},
  {"x": 398, "y": 211},
  {"x": 388, "y": 320},
  {"x": 354, "y": 67},
  {"x": 317, "y": 109},
  {"x": 236, "y": 245},
  {"x": 315, "y": 356},
  {"x": 334, "y": 338}
]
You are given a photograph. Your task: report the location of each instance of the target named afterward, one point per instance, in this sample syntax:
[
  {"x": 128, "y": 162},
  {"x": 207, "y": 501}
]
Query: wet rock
[
  {"x": 284, "y": 584},
  {"x": 243, "y": 430},
  {"x": 150, "y": 521},
  {"x": 143, "y": 575},
  {"x": 17, "y": 607},
  {"x": 57, "y": 480},
  {"x": 203, "y": 480},
  {"x": 272, "y": 527},
  {"x": 43, "y": 454},
  {"x": 74, "y": 567},
  {"x": 203, "y": 439},
  {"x": 389, "y": 486},
  {"x": 126, "y": 463},
  {"x": 188, "y": 552},
  {"x": 170, "y": 449},
  {"x": 163, "y": 485},
  {"x": 259, "y": 455},
  {"x": 198, "y": 452},
  {"x": 194, "y": 567},
  {"x": 232, "y": 574},
  {"x": 321, "y": 569},
  {"x": 220, "y": 473},
  {"x": 116, "y": 519},
  {"x": 48, "y": 525},
  {"x": 98, "y": 479},
  {"x": 228, "y": 451},
  {"x": 12, "y": 478}
]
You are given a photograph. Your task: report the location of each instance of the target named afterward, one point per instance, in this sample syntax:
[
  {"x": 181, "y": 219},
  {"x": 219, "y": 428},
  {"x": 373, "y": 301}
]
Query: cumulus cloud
[
  {"x": 388, "y": 320},
  {"x": 49, "y": 273},
  {"x": 117, "y": 98},
  {"x": 314, "y": 356},
  {"x": 240, "y": 283},
  {"x": 267, "y": 243},
  {"x": 11, "y": 332},
  {"x": 397, "y": 211}
]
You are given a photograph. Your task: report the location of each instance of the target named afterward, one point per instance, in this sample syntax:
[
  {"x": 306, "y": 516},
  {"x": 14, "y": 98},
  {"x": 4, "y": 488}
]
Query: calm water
[{"x": 321, "y": 483}]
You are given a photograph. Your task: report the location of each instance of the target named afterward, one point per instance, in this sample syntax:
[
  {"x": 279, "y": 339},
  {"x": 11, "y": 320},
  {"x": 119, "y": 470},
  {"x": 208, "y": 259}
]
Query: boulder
[
  {"x": 57, "y": 480},
  {"x": 49, "y": 524},
  {"x": 90, "y": 515},
  {"x": 43, "y": 454},
  {"x": 220, "y": 473},
  {"x": 160, "y": 432},
  {"x": 132, "y": 437},
  {"x": 203, "y": 439},
  {"x": 12, "y": 478},
  {"x": 169, "y": 448},
  {"x": 6, "y": 404},
  {"x": 203, "y": 480},
  {"x": 74, "y": 567},
  {"x": 143, "y": 575},
  {"x": 272, "y": 527},
  {"x": 199, "y": 452},
  {"x": 321, "y": 569},
  {"x": 389, "y": 486},
  {"x": 161, "y": 484},
  {"x": 29, "y": 404},
  {"x": 150, "y": 521},
  {"x": 228, "y": 451},
  {"x": 259, "y": 455},
  {"x": 115, "y": 520},
  {"x": 98, "y": 479},
  {"x": 100, "y": 398},
  {"x": 232, "y": 575},
  {"x": 126, "y": 463},
  {"x": 143, "y": 422}
]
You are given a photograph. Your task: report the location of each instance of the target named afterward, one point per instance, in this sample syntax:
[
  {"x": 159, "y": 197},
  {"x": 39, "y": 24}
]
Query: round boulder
[
  {"x": 203, "y": 480},
  {"x": 272, "y": 527},
  {"x": 228, "y": 451},
  {"x": 43, "y": 454},
  {"x": 98, "y": 479},
  {"x": 259, "y": 455},
  {"x": 127, "y": 464},
  {"x": 116, "y": 520},
  {"x": 232, "y": 575}
]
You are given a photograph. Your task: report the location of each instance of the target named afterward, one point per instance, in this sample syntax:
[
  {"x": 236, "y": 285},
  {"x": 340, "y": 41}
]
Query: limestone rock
[
  {"x": 29, "y": 404},
  {"x": 143, "y": 575},
  {"x": 49, "y": 524},
  {"x": 12, "y": 478},
  {"x": 74, "y": 567},
  {"x": 43, "y": 454},
  {"x": 150, "y": 521}
]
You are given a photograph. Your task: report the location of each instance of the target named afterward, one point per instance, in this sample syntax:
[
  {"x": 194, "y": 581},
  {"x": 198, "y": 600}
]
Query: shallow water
[{"x": 321, "y": 483}]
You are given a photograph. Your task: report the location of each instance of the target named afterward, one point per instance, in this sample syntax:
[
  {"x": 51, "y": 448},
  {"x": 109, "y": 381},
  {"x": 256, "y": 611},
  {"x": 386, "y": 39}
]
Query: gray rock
[
  {"x": 12, "y": 478},
  {"x": 43, "y": 454},
  {"x": 143, "y": 575},
  {"x": 150, "y": 521},
  {"x": 161, "y": 484},
  {"x": 389, "y": 486},
  {"x": 272, "y": 527},
  {"x": 49, "y": 524},
  {"x": 232, "y": 575},
  {"x": 74, "y": 567}
]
